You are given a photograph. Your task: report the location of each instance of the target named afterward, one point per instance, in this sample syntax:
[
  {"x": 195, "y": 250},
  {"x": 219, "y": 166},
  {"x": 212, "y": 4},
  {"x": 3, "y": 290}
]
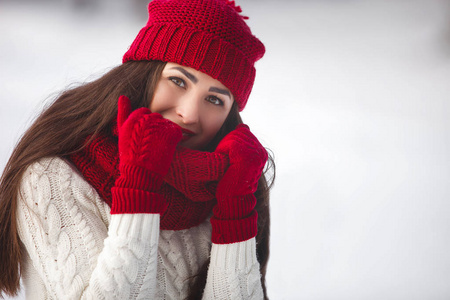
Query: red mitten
[
  {"x": 195, "y": 173},
  {"x": 234, "y": 218},
  {"x": 147, "y": 145}
]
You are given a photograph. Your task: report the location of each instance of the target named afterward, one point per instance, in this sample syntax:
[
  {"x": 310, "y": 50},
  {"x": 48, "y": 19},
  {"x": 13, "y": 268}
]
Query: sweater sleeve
[
  {"x": 62, "y": 223},
  {"x": 234, "y": 272}
]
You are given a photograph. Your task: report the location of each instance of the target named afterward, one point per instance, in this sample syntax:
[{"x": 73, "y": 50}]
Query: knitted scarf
[{"x": 189, "y": 187}]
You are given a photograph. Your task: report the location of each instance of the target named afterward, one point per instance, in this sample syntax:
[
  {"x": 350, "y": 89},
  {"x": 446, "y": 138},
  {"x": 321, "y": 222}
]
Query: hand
[
  {"x": 196, "y": 173},
  {"x": 147, "y": 144},
  {"x": 234, "y": 218},
  {"x": 146, "y": 139},
  {"x": 247, "y": 159}
]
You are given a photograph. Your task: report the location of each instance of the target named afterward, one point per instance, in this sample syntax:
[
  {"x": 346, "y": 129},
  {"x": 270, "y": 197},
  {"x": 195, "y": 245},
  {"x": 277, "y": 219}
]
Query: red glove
[
  {"x": 234, "y": 217},
  {"x": 147, "y": 145}
]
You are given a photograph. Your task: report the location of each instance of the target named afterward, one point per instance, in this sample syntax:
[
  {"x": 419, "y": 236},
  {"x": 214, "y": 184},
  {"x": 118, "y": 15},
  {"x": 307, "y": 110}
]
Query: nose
[{"x": 189, "y": 110}]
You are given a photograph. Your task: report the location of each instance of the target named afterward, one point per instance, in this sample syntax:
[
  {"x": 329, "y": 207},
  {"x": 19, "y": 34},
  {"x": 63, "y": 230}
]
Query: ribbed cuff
[
  {"x": 131, "y": 201},
  {"x": 233, "y": 231},
  {"x": 234, "y": 207},
  {"x": 236, "y": 256},
  {"x": 134, "y": 177},
  {"x": 144, "y": 227}
]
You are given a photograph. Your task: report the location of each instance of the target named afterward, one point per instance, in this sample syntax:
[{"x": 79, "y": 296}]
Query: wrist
[
  {"x": 234, "y": 207},
  {"x": 135, "y": 177},
  {"x": 233, "y": 231},
  {"x": 132, "y": 201},
  {"x": 236, "y": 256},
  {"x": 143, "y": 227}
]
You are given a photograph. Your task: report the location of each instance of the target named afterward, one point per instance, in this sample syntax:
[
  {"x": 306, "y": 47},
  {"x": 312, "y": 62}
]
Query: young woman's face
[{"x": 195, "y": 101}]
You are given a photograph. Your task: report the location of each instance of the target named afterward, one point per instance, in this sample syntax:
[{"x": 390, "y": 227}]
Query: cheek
[
  {"x": 162, "y": 99},
  {"x": 214, "y": 123}
]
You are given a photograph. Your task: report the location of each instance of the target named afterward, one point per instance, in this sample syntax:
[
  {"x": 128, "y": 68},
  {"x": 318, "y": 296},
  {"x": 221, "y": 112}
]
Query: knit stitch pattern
[
  {"x": 207, "y": 35},
  {"x": 74, "y": 249},
  {"x": 189, "y": 187},
  {"x": 234, "y": 272}
]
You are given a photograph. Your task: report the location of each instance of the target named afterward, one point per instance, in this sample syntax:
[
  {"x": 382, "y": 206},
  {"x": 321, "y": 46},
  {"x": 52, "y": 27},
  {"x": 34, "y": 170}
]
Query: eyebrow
[
  {"x": 220, "y": 91},
  {"x": 187, "y": 74},
  {"x": 195, "y": 80}
]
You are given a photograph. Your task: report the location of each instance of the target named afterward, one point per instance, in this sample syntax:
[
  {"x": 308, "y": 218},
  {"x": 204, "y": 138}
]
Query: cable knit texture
[
  {"x": 147, "y": 144},
  {"x": 235, "y": 219},
  {"x": 76, "y": 250},
  {"x": 189, "y": 186}
]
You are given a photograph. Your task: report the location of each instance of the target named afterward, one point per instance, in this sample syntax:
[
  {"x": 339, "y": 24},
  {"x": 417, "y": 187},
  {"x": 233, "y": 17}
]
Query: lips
[{"x": 187, "y": 134}]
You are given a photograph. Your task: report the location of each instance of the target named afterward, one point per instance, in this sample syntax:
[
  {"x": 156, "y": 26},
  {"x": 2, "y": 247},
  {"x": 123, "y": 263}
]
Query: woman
[{"x": 144, "y": 183}]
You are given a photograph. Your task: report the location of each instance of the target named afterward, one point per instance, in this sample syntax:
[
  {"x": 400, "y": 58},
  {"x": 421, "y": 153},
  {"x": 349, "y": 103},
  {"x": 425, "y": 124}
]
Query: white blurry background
[{"x": 351, "y": 96}]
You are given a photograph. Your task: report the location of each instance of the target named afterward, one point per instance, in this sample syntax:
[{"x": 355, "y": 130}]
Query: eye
[
  {"x": 214, "y": 100},
  {"x": 178, "y": 81}
]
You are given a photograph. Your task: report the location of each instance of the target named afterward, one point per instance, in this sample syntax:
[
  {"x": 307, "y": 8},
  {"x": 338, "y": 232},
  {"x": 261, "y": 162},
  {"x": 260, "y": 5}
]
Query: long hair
[{"x": 61, "y": 129}]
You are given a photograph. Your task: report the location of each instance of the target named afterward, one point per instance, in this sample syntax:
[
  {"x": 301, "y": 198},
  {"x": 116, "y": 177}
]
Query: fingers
[
  {"x": 123, "y": 110},
  {"x": 243, "y": 148}
]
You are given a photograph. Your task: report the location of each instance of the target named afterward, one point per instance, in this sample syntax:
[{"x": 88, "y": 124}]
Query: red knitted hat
[{"x": 207, "y": 35}]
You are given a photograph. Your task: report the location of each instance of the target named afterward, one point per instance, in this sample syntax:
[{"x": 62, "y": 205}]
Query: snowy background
[{"x": 351, "y": 96}]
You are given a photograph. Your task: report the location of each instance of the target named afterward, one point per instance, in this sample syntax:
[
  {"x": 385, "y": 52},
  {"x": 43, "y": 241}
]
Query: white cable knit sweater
[{"x": 76, "y": 250}]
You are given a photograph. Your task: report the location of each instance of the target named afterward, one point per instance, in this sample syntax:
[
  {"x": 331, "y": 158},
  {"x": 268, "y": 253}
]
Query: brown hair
[{"x": 60, "y": 130}]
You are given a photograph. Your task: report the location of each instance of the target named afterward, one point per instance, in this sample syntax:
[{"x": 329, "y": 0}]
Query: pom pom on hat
[{"x": 207, "y": 35}]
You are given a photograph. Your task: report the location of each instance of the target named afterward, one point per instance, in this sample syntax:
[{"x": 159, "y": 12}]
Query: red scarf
[{"x": 189, "y": 187}]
